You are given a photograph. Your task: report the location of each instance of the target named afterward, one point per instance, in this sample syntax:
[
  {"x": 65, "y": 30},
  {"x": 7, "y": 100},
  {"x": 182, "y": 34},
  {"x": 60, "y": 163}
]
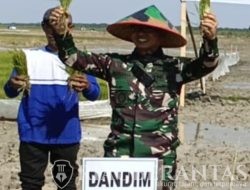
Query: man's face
[
  {"x": 49, "y": 34},
  {"x": 146, "y": 38},
  {"x": 49, "y": 31}
]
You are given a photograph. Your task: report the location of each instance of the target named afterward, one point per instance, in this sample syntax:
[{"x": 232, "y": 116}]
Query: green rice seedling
[
  {"x": 71, "y": 72},
  {"x": 65, "y": 5},
  {"x": 204, "y": 6},
  {"x": 19, "y": 62},
  {"x": 5, "y": 67},
  {"x": 20, "y": 65}
]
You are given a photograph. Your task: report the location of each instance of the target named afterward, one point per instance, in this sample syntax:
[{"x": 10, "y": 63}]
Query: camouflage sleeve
[
  {"x": 209, "y": 52},
  {"x": 207, "y": 61},
  {"x": 87, "y": 62}
]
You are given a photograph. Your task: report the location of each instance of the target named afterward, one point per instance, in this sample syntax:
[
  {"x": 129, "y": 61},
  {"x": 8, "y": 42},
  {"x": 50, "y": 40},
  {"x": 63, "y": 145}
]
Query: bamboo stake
[
  {"x": 181, "y": 134},
  {"x": 197, "y": 133},
  {"x": 183, "y": 49},
  {"x": 202, "y": 80}
]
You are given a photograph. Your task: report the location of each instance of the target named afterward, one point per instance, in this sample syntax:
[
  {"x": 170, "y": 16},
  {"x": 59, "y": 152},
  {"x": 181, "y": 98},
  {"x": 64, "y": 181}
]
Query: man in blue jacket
[{"x": 48, "y": 119}]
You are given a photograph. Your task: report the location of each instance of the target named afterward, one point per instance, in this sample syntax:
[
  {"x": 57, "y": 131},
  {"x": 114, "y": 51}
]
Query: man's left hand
[
  {"x": 209, "y": 26},
  {"x": 78, "y": 82}
]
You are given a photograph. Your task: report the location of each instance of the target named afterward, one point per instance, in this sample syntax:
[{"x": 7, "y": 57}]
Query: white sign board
[
  {"x": 119, "y": 173},
  {"x": 245, "y": 2}
]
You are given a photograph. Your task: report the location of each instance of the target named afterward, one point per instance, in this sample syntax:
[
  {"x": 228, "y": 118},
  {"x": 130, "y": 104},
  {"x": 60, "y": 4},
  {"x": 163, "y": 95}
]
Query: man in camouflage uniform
[{"x": 144, "y": 86}]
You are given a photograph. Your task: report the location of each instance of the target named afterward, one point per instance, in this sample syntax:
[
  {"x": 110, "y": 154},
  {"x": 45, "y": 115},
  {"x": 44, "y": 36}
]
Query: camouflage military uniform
[
  {"x": 144, "y": 91},
  {"x": 144, "y": 119}
]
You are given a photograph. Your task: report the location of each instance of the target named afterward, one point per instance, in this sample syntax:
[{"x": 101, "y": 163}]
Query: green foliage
[
  {"x": 104, "y": 89},
  {"x": 19, "y": 62},
  {"x": 5, "y": 68},
  {"x": 204, "y": 6},
  {"x": 20, "y": 66},
  {"x": 65, "y": 4}
]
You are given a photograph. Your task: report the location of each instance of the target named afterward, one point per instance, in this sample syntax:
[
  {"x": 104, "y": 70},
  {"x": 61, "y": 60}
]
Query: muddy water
[
  {"x": 238, "y": 85},
  {"x": 215, "y": 135}
]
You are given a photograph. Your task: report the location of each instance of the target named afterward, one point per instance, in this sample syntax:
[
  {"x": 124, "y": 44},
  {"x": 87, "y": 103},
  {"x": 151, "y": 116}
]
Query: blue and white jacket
[{"x": 49, "y": 114}]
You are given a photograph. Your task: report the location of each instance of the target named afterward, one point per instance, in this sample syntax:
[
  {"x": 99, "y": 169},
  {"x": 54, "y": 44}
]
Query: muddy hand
[
  {"x": 209, "y": 26},
  {"x": 19, "y": 82},
  {"x": 55, "y": 20},
  {"x": 78, "y": 82}
]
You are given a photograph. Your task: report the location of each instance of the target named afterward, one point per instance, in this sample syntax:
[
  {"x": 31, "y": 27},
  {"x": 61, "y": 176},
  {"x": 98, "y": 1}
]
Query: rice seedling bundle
[
  {"x": 72, "y": 72},
  {"x": 19, "y": 62},
  {"x": 20, "y": 66},
  {"x": 204, "y": 6},
  {"x": 65, "y": 5}
]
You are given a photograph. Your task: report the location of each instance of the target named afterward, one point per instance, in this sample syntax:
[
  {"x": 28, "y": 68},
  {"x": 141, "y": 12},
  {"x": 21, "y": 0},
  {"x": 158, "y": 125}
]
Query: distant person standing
[{"x": 48, "y": 119}]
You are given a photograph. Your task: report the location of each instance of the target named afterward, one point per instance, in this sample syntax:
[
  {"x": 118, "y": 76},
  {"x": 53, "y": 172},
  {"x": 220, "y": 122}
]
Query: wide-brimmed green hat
[{"x": 149, "y": 17}]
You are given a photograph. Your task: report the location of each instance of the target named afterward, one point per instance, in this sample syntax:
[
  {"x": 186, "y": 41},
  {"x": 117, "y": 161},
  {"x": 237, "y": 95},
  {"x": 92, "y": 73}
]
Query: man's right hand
[{"x": 19, "y": 82}]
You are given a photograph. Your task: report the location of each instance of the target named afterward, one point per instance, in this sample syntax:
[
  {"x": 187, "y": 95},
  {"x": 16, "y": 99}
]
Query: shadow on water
[{"x": 216, "y": 135}]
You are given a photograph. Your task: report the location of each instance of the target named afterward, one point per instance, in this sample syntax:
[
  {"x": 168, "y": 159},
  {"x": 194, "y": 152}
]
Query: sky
[{"x": 109, "y": 11}]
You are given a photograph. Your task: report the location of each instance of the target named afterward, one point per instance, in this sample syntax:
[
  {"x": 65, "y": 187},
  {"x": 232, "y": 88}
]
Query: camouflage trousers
[{"x": 146, "y": 146}]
